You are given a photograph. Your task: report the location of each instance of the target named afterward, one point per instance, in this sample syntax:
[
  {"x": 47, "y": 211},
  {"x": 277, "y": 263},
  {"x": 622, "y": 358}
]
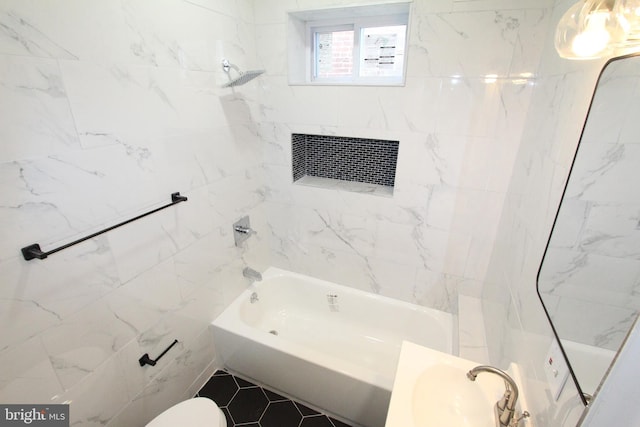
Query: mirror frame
[{"x": 581, "y": 393}]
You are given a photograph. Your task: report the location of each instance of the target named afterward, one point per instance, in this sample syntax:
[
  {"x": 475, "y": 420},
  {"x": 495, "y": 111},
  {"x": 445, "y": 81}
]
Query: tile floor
[{"x": 248, "y": 405}]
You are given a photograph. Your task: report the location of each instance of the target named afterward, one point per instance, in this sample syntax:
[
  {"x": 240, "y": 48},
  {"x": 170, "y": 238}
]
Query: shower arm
[{"x": 226, "y": 66}]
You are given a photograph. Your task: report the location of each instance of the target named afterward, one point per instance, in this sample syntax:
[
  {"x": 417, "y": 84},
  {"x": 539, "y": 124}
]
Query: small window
[
  {"x": 359, "y": 45},
  {"x": 366, "y": 51},
  {"x": 333, "y": 53}
]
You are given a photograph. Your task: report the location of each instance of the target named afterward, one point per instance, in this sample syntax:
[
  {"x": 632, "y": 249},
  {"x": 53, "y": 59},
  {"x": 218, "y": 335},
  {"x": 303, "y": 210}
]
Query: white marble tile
[
  {"x": 435, "y": 290},
  {"x": 300, "y": 104},
  {"x": 426, "y": 159},
  {"x": 471, "y": 332},
  {"x": 593, "y": 323},
  {"x": 80, "y": 343},
  {"x": 613, "y": 218},
  {"x": 48, "y": 205},
  {"x": 629, "y": 132},
  {"x": 271, "y": 57},
  {"x": 533, "y": 35},
  {"x": 599, "y": 167},
  {"x": 129, "y": 104},
  {"x": 473, "y": 107},
  {"x": 24, "y": 35},
  {"x": 500, "y": 4},
  {"x": 34, "y": 109},
  {"x": 478, "y": 43},
  {"x": 588, "y": 271},
  {"x": 399, "y": 243},
  {"x": 395, "y": 280},
  {"x": 31, "y": 374},
  {"x": 334, "y": 231},
  {"x": 16, "y": 309},
  {"x": 106, "y": 381},
  {"x": 197, "y": 362},
  {"x": 604, "y": 124},
  {"x": 138, "y": 248},
  {"x": 274, "y": 11},
  {"x": 67, "y": 281}
]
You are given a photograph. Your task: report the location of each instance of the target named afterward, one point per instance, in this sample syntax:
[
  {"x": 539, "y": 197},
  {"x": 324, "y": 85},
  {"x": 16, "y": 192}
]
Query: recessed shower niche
[{"x": 353, "y": 164}]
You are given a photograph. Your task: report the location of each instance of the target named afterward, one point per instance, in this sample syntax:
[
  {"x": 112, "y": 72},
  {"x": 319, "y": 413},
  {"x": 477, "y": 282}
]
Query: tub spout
[
  {"x": 250, "y": 273},
  {"x": 506, "y": 406}
]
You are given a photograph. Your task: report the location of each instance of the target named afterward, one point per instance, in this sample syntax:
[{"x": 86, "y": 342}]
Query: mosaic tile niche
[{"x": 369, "y": 161}]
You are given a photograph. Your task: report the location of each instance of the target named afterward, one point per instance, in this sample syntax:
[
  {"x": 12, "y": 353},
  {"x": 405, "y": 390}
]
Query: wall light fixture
[{"x": 598, "y": 28}]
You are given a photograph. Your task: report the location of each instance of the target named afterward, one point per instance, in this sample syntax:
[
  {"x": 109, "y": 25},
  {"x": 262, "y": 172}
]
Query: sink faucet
[{"x": 506, "y": 406}]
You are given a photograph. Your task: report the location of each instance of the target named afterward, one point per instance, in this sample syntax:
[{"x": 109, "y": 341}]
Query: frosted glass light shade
[
  {"x": 589, "y": 29},
  {"x": 628, "y": 13}
]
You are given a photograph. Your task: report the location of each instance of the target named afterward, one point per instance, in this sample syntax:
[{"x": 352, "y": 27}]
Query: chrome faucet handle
[
  {"x": 515, "y": 421},
  {"x": 242, "y": 230},
  {"x": 502, "y": 403}
]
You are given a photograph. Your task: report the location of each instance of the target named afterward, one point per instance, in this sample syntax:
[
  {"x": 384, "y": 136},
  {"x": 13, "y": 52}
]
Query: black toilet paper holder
[{"x": 146, "y": 360}]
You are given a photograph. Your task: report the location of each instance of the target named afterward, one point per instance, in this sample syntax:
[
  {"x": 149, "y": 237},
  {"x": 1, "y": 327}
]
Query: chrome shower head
[{"x": 242, "y": 77}]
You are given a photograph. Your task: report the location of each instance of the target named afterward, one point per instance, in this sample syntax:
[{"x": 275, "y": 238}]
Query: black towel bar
[{"x": 34, "y": 251}]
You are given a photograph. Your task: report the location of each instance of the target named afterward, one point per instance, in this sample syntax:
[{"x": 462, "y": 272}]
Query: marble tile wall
[
  {"x": 470, "y": 77},
  {"x": 106, "y": 108}
]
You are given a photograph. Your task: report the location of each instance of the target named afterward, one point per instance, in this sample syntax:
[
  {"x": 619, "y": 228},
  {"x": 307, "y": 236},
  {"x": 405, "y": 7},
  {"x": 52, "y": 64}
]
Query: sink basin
[
  {"x": 447, "y": 391},
  {"x": 431, "y": 389}
]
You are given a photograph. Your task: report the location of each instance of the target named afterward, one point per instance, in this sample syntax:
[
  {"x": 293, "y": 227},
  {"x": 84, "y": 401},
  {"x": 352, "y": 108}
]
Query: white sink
[{"x": 431, "y": 389}]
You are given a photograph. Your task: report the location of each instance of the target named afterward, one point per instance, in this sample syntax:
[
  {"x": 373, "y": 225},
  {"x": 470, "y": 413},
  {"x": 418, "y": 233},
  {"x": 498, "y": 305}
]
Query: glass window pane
[
  {"x": 334, "y": 54},
  {"x": 382, "y": 51}
]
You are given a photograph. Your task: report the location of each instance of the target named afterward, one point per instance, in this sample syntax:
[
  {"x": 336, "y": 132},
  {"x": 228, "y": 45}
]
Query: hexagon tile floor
[{"x": 248, "y": 405}]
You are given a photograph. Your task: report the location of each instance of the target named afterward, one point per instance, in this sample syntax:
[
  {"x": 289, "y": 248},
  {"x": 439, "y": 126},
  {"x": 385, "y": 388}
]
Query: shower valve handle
[{"x": 244, "y": 230}]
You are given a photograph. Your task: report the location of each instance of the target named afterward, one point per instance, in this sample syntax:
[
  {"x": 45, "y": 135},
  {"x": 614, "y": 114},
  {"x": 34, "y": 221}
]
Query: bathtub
[{"x": 319, "y": 342}]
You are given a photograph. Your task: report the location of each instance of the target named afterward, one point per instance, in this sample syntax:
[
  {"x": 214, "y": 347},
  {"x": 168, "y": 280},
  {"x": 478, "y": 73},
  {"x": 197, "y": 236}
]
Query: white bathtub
[{"x": 330, "y": 345}]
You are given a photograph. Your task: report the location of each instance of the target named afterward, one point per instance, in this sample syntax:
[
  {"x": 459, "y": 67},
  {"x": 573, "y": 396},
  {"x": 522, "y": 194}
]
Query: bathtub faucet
[
  {"x": 250, "y": 273},
  {"x": 506, "y": 406}
]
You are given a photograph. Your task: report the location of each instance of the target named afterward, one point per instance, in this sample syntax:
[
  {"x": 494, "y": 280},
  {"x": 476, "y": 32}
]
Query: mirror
[{"x": 589, "y": 279}]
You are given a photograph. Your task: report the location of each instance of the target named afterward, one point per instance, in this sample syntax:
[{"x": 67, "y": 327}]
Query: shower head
[{"x": 242, "y": 78}]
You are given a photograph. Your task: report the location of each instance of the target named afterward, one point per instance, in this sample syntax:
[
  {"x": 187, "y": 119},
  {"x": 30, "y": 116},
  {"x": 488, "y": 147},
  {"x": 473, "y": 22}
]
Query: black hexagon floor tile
[
  {"x": 221, "y": 388},
  {"x": 316, "y": 421},
  {"x": 248, "y": 405},
  {"x": 281, "y": 414}
]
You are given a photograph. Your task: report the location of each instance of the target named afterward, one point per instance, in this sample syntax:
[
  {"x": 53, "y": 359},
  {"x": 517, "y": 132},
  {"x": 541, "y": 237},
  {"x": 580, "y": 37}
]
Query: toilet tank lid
[{"x": 199, "y": 411}]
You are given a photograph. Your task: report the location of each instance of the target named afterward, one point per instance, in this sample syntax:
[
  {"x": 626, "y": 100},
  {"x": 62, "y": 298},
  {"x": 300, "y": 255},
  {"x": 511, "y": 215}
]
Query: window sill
[{"x": 355, "y": 84}]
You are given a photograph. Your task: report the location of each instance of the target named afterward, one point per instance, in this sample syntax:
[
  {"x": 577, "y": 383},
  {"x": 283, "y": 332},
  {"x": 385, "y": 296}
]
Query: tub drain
[{"x": 273, "y": 332}]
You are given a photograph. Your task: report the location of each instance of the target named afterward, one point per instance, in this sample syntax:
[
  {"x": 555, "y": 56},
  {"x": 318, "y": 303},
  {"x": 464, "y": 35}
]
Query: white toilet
[{"x": 196, "y": 412}]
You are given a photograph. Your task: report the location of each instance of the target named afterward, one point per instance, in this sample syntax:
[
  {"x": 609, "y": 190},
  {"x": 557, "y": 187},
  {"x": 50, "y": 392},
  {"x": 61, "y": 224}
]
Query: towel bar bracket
[{"x": 33, "y": 251}]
